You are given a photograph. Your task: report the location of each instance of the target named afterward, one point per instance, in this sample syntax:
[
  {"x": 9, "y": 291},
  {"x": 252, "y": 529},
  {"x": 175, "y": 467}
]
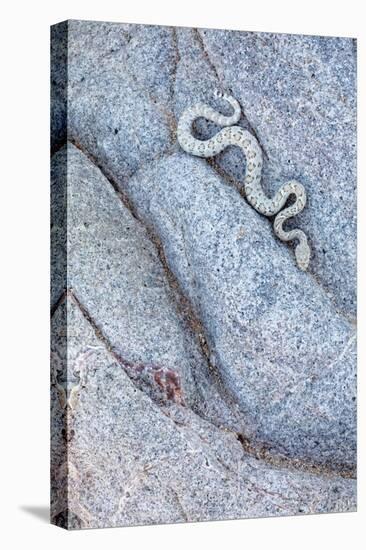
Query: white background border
[{"x": 24, "y": 230}]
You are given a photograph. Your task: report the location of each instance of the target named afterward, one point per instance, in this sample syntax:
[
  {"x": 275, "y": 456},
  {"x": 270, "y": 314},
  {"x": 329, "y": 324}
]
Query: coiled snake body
[{"x": 235, "y": 135}]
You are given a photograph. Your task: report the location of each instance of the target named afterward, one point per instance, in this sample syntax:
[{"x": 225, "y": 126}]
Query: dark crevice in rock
[
  {"x": 98, "y": 333},
  {"x": 58, "y": 302},
  {"x": 184, "y": 307},
  {"x": 176, "y": 63},
  {"x": 160, "y": 385},
  {"x": 232, "y": 182},
  {"x": 259, "y": 450},
  {"x": 57, "y": 147},
  {"x": 262, "y": 452},
  {"x": 205, "y": 54},
  {"x": 162, "y": 107},
  {"x": 171, "y": 122},
  {"x": 239, "y": 186},
  {"x": 109, "y": 175},
  {"x": 200, "y": 39},
  {"x": 132, "y": 370},
  {"x": 223, "y": 85}
]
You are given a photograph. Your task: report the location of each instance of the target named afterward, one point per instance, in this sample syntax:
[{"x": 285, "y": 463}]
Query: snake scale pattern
[{"x": 235, "y": 135}]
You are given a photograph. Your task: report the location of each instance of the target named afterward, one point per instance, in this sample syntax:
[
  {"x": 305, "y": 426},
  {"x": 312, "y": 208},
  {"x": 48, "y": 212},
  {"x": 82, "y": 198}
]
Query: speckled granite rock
[
  {"x": 113, "y": 113},
  {"x": 59, "y": 85},
  {"x": 116, "y": 276},
  {"x": 203, "y": 375},
  {"x": 196, "y": 80},
  {"x": 296, "y": 386},
  {"x": 299, "y": 93},
  {"x": 58, "y": 225},
  {"x": 165, "y": 464}
]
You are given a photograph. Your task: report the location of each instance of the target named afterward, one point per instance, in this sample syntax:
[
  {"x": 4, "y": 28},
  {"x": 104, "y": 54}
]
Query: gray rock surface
[
  {"x": 116, "y": 276},
  {"x": 204, "y": 376},
  {"x": 165, "y": 464},
  {"x": 295, "y": 385},
  {"x": 58, "y": 54},
  {"x": 299, "y": 93},
  {"x": 116, "y": 109},
  {"x": 58, "y": 225}
]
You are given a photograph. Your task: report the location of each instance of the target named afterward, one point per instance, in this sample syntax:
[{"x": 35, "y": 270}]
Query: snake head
[{"x": 302, "y": 254}]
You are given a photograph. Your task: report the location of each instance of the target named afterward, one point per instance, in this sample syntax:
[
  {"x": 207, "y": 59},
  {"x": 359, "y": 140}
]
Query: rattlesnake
[{"x": 235, "y": 135}]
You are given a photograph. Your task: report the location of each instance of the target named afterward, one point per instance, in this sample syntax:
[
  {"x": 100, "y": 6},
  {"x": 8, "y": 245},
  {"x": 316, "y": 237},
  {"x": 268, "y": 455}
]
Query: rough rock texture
[
  {"x": 299, "y": 93},
  {"x": 59, "y": 47},
  {"x": 203, "y": 375},
  {"x": 133, "y": 462},
  {"x": 115, "y": 274},
  {"x": 117, "y": 110},
  {"x": 296, "y": 386},
  {"x": 58, "y": 225}
]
